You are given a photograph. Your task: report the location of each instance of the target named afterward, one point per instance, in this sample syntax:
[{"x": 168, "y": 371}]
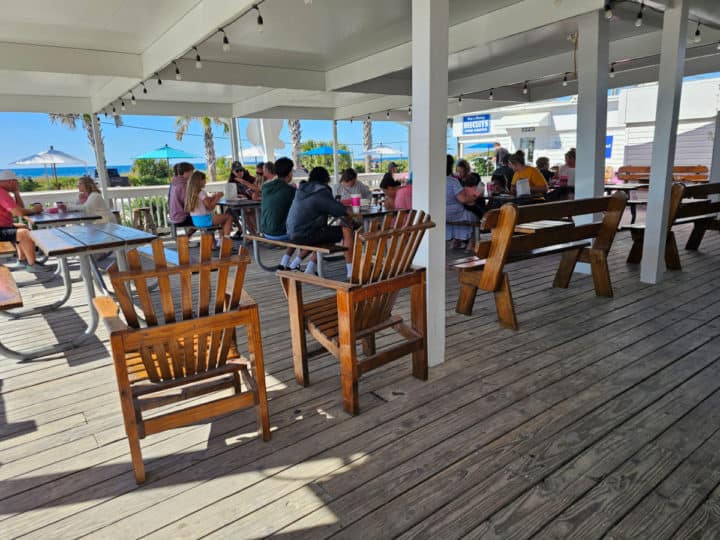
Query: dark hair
[
  {"x": 348, "y": 175},
  {"x": 542, "y": 162},
  {"x": 464, "y": 164},
  {"x": 449, "y": 162},
  {"x": 283, "y": 167},
  {"x": 181, "y": 168},
  {"x": 319, "y": 174},
  {"x": 259, "y": 165},
  {"x": 269, "y": 166},
  {"x": 472, "y": 180},
  {"x": 499, "y": 179},
  {"x": 518, "y": 158},
  {"x": 570, "y": 153},
  {"x": 504, "y": 159}
]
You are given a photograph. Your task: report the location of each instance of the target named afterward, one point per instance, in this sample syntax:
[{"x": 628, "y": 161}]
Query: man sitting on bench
[
  {"x": 12, "y": 207},
  {"x": 307, "y": 221},
  {"x": 277, "y": 197}
]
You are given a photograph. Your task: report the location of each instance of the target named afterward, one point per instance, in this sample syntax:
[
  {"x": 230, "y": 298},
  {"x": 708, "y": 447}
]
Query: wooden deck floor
[{"x": 599, "y": 417}]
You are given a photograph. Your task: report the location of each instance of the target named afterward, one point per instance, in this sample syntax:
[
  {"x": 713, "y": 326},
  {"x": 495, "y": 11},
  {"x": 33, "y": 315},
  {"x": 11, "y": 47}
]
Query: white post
[
  {"x": 234, "y": 139},
  {"x": 266, "y": 151},
  {"x": 715, "y": 165},
  {"x": 428, "y": 135},
  {"x": 672, "y": 66},
  {"x": 100, "y": 163},
  {"x": 592, "y": 61},
  {"x": 336, "y": 177}
]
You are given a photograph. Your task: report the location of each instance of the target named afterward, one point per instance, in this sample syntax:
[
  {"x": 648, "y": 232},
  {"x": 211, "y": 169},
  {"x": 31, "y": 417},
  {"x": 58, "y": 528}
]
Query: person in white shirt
[
  {"x": 200, "y": 205},
  {"x": 350, "y": 185},
  {"x": 91, "y": 201}
]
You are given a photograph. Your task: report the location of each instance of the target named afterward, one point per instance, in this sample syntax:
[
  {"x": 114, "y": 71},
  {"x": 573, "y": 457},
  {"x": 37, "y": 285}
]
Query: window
[{"x": 527, "y": 145}]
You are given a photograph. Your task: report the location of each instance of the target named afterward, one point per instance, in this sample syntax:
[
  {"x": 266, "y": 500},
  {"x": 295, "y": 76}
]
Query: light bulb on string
[
  {"x": 565, "y": 80},
  {"x": 225, "y": 41},
  {"x": 387, "y": 115},
  {"x": 410, "y": 110},
  {"x": 259, "y": 19},
  {"x": 639, "y": 18},
  {"x": 612, "y": 71},
  {"x": 105, "y": 112},
  {"x": 198, "y": 61},
  {"x": 159, "y": 80},
  {"x": 144, "y": 87},
  {"x": 718, "y": 46},
  {"x": 114, "y": 111},
  {"x": 122, "y": 105},
  {"x": 178, "y": 75},
  {"x": 133, "y": 101},
  {"x": 697, "y": 38},
  {"x": 608, "y": 11},
  {"x": 491, "y": 95},
  {"x": 525, "y": 88}
]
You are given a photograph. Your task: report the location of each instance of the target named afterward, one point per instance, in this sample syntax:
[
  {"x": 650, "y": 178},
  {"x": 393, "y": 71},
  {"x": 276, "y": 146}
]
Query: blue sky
[{"x": 24, "y": 134}]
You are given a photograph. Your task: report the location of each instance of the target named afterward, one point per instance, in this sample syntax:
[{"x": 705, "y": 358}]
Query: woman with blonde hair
[
  {"x": 91, "y": 201},
  {"x": 200, "y": 205}
]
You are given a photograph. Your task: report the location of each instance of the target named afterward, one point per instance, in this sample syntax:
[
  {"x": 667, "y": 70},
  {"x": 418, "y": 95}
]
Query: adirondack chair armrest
[
  {"x": 316, "y": 280},
  {"x": 108, "y": 311}
]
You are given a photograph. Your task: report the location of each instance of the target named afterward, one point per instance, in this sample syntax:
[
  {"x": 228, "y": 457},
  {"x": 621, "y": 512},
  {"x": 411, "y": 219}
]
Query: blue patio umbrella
[
  {"x": 166, "y": 152},
  {"x": 480, "y": 146},
  {"x": 324, "y": 151}
]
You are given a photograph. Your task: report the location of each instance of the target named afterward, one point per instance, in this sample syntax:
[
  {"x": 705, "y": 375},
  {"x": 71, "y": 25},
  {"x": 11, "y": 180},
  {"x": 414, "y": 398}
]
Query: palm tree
[
  {"x": 367, "y": 142},
  {"x": 70, "y": 121},
  {"x": 296, "y": 139},
  {"x": 182, "y": 123}
]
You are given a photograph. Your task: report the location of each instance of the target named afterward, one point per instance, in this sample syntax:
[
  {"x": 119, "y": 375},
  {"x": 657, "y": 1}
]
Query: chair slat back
[
  {"x": 194, "y": 342},
  {"x": 384, "y": 252}
]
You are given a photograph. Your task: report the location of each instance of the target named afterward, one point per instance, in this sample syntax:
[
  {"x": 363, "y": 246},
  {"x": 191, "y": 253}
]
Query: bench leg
[
  {"x": 466, "y": 299},
  {"x": 504, "y": 304},
  {"x": 368, "y": 345},
  {"x": 256, "y": 255},
  {"x": 418, "y": 321},
  {"x": 696, "y": 235},
  {"x": 633, "y": 213},
  {"x": 635, "y": 255},
  {"x": 567, "y": 267},
  {"x": 672, "y": 255},
  {"x": 297, "y": 331},
  {"x": 600, "y": 273}
]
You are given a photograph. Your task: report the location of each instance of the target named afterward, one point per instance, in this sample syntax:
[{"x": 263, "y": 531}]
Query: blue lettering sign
[
  {"x": 476, "y": 124},
  {"x": 608, "y": 146}
]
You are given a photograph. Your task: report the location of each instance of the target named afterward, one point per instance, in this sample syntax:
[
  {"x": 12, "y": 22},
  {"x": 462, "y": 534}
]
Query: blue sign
[
  {"x": 476, "y": 124},
  {"x": 608, "y": 146}
]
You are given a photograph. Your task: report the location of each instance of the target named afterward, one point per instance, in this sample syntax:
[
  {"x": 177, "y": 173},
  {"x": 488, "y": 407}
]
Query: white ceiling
[{"x": 339, "y": 58}]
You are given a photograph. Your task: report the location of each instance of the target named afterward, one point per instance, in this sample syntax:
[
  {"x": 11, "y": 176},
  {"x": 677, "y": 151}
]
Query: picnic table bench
[
  {"x": 7, "y": 249},
  {"x": 680, "y": 173},
  {"x": 9, "y": 293},
  {"x": 518, "y": 233},
  {"x": 321, "y": 251},
  {"x": 688, "y": 204}
]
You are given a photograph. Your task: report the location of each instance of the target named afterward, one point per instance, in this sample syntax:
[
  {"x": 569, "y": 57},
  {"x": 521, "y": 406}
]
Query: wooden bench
[
  {"x": 681, "y": 173},
  {"x": 321, "y": 251},
  {"x": 7, "y": 249},
  {"x": 10, "y": 297},
  {"x": 172, "y": 258},
  {"x": 688, "y": 204},
  {"x": 512, "y": 241}
]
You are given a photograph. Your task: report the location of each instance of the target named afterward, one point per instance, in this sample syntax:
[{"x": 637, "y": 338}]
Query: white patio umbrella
[
  {"x": 382, "y": 152},
  {"x": 50, "y": 157}
]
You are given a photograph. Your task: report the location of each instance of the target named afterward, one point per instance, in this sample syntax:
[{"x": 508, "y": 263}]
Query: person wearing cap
[
  {"x": 247, "y": 188},
  {"x": 11, "y": 207},
  {"x": 389, "y": 186}
]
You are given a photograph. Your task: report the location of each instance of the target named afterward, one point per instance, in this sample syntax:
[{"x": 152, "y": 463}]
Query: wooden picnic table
[
  {"x": 81, "y": 241},
  {"x": 627, "y": 188},
  {"x": 543, "y": 225},
  {"x": 243, "y": 205},
  {"x": 46, "y": 219}
]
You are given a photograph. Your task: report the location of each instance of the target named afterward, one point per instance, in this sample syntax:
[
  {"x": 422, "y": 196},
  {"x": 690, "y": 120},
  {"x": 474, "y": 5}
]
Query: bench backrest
[
  {"x": 200, "y": 332},
  {"x": 701, "y": 191},
  {"x": 679, "y": 210},
  {"x": 630, "y": 173},
  {"x": 505, "y": 241},
  {"x": 681, "y": 173}
]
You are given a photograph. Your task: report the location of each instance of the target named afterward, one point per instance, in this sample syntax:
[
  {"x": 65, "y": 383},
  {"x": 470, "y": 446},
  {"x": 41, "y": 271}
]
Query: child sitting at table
[
  {"x": 200, "y": 205},
  {"x": 474, "y": 189}
]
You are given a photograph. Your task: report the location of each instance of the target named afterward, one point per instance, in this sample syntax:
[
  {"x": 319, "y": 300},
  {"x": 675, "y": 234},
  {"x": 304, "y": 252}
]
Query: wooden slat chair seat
[
  {"x": 682, "y": 210},
  {"x": 589, "y": 243},
  {"x": 185, "y": 350},
  {"x": 358, "y": 309}
]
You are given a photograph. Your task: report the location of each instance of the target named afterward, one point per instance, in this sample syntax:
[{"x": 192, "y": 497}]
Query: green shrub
[
  {"x": 156, "y": 168},
  {"x": 148, "y": 181},
  {"x": 28, "y": 184}
]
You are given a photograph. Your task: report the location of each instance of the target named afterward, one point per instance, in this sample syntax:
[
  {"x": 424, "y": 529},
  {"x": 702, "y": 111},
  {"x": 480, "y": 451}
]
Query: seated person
[
  {"x": 268, "y": 172},
  {"x": 474, "y": 189},
  {"x": 455, "y": 211},
  {"x": 277, "y": 197},
  {"x": 543, "y": 165},
  {"x": 504, "y": 168},
  {"x": 403, "y": 197},
  {"x": 566, "y": 173},
  {"x": 247, "y": 188},
  {"x": 91, "y": 202},
  {"x": 200, "y": 205},
  {"x": 307, "y": 221},
  {"x": 462, "y": 170},
  {"x": 390, "y": 186},
  {"x": 178, "y": 186},
  {"x": 350, "y": 185},
  {"x": 536, "y": 181},
  {"x": 498, "y": 185},
  {"x": 10, "y": 207}
]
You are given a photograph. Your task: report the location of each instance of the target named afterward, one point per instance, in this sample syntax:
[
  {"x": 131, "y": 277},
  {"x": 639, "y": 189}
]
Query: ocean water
[{"x": 41, "y": 172}]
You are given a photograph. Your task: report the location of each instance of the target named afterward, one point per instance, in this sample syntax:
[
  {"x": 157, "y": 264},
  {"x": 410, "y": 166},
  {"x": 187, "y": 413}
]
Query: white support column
[
  {"x": 336, "y": 177},
  {"x": 592, "y": 61},
  {"x": 266, "y": 151},
  {"x": 234, "y": 139},
  {"x": 672, "y": 66},
  {"x": 100, "y": 163},
  {"x": 715, "y": 167},
  {"x": 428, "y": 143}
]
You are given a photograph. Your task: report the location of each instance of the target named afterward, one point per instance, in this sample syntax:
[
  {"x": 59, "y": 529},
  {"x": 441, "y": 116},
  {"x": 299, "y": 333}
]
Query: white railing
[{"x": 124, "y": 199}]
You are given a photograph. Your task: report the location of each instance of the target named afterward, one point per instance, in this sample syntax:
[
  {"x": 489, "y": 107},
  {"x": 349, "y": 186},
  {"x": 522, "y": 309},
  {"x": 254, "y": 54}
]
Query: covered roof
[{"x": 329, "y": 59}]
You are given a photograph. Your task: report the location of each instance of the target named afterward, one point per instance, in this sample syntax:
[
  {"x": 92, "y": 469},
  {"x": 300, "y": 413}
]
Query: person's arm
[
  {"x": 18, "y": 198},
  {"x": 539, "y": 187},
  {"x": 365, "y": 192},
  {"x": 19, "y": 211},
  {"x": 464, "y": 197}
]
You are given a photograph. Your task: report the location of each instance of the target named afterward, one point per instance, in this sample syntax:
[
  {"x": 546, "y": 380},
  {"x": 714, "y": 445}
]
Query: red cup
[
  {"x": 355, "y": 201},
  {"x": 60, "y": 206}
]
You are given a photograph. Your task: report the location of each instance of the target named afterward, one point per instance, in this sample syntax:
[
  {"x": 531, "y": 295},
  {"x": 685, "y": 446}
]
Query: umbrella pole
[{"x": 54, "y": 170}]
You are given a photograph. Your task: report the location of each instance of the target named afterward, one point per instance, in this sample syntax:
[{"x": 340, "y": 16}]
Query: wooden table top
[
  {"x": 625, "y": 187},
  {"x": 542, "y": 225},
  {"x": 75, "y": 239},
  {"x": 45, "y": 218},
  {"x": 9, "y": 294},
  {"x": 372, "y": 211}
]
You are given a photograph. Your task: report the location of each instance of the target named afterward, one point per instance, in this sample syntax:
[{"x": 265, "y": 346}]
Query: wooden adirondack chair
[
  {"x": 185, "y": 350},
  {"x": 382, "y": 267}
]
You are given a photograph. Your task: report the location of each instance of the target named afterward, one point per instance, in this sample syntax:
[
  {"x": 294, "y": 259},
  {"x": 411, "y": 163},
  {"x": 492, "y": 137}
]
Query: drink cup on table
[
  {"x": 355, "y": 202},
  {"x": 38, "y": 207},
  {"x": 60, "y": 206}
]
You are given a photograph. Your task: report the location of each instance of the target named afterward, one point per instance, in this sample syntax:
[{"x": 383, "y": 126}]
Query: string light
[
  {"x": 114, "y": 110},
  {"x": 410, "y": 110},
  {"x": 105, "y": 112},
  {"x": 612, "y": 70},
  {"x": 459, "y": 99},
  {"x": 159, "y": 80},
  {"x": 565, "y": 81},
  {"x": 144, "y": 87},
  {"x": 639, "y": 18},
  {"x": 226, "y": 41},
  {"x": 491, "y": 95},
  {"x": 368, "y": 117},
  {"x": 608, "y": 11},
  {"x": 525, "y": 88},
  {"x": 133, "y": 101},
  {"x": 718, "y": 46},
  {"x": 178, "y": 75},
  {"x": 259, "y": 18},
  {"x": 122, "y": 105},
  {"x": 698, "y": 37},
  {"x": 387, "y": 114},
  {"x": 198, "y": 61}
]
